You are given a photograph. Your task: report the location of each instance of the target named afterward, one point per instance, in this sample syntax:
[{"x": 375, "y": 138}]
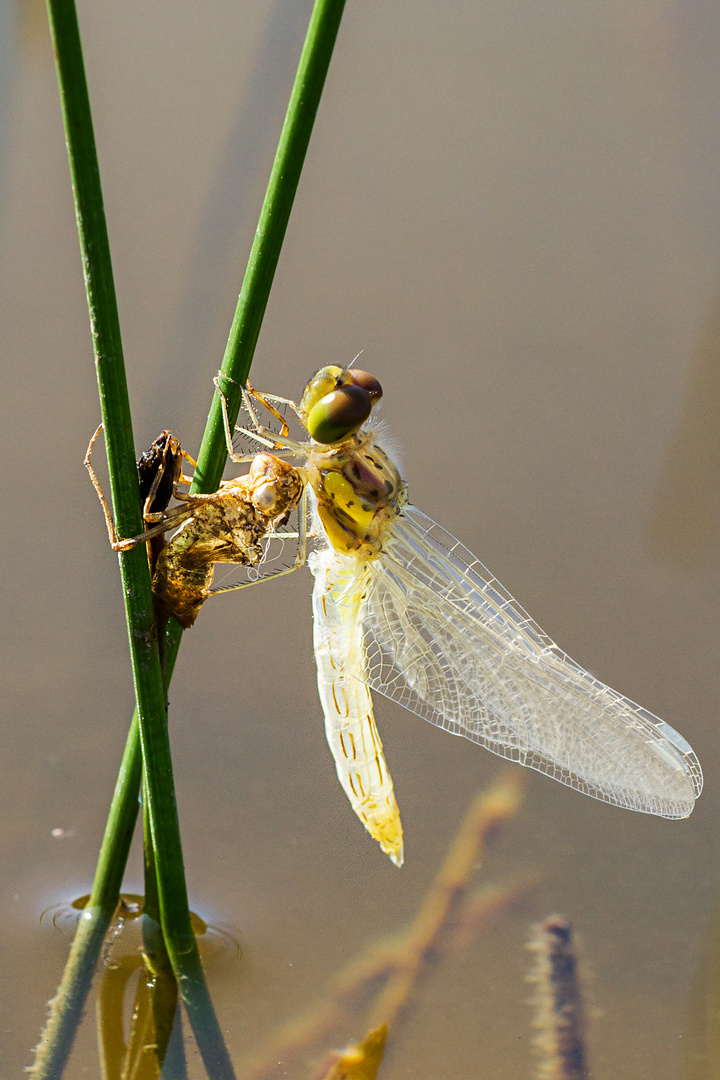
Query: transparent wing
[{"x": 446, "y": 641}]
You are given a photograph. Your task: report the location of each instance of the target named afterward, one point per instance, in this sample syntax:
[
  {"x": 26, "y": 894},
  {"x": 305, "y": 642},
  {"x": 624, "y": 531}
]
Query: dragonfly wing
[
  {"x": 445, "y": 640},
  {"x": 338, "y": 601}
]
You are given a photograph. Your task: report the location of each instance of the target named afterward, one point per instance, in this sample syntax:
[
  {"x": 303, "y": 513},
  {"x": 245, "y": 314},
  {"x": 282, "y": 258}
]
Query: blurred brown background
[{"x": 513, "y": 210}]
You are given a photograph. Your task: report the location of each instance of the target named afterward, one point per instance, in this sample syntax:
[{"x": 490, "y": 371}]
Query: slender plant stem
[
  {"x": 245, "y": 330},
  {"x": 66, "y": 1007},
  {"x": 157, "y": 961},
  {"x": 120, "y": 826},
  {"x": 135, "y": 573},
  {"x": 270, "y": 233},
  {"x": 265, "y": 253}
]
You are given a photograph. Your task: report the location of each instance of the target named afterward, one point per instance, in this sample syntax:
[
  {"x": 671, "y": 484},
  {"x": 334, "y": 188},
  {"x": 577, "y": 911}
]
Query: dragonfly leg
[
  {"x": 249, "y": 393},
  {"x": 166, "y": 520},
  {"x": 260, "y": 434},
  {"x": 266, "y": 400},
  {"x": 112, "y": 534}
]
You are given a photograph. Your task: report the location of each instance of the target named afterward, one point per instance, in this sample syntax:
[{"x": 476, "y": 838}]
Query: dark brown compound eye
[
  {"x": 368, "y": 382},
  {"x": 339, "y": 414}
]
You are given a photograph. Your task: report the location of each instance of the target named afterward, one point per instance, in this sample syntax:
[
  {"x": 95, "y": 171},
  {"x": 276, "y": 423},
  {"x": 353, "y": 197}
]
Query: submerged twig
[
  {"x": 489, "y": 810},
  {"x": 560, "y": 1016},
  {"x": 401, "y": 958}
]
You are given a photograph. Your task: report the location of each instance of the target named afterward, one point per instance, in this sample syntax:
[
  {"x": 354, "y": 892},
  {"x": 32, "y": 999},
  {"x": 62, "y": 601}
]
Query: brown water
[{"x": 514, "y": 210}]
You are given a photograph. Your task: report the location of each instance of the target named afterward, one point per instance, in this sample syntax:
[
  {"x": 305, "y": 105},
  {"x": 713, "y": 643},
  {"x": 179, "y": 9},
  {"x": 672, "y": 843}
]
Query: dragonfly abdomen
[{"x": 338, "y": 598}]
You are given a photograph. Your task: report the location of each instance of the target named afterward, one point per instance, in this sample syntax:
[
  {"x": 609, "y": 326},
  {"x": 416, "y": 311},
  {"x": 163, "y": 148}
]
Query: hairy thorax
[{"x": 359, "y": 494}]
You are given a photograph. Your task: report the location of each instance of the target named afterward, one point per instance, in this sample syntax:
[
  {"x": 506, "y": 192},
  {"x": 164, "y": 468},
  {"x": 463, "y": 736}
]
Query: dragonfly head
[{"x": 337, "y": 402}]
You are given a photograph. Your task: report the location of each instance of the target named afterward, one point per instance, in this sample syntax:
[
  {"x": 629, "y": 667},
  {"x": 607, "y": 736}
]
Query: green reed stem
[
  {"x": 270, "y": 233},
  {"x": 135, "y": 575},
  {"x": 66, "y": 1011},
  {"x": 66, "y": 1008}
]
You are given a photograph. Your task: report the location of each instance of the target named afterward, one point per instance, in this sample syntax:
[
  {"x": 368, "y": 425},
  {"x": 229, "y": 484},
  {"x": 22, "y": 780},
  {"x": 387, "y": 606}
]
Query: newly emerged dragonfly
[{"x": 401, "y": 607}]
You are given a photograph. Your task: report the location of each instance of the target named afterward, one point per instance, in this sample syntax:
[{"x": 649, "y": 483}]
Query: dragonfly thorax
[{"x": 359, "y": 494}]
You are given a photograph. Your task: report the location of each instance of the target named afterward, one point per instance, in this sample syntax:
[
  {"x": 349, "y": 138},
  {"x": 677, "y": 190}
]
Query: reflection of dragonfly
[{"x": 402, "y": 607}]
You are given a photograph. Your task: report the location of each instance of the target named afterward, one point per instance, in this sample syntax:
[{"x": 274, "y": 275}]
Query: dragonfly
[{"x": 402, "y": 608}]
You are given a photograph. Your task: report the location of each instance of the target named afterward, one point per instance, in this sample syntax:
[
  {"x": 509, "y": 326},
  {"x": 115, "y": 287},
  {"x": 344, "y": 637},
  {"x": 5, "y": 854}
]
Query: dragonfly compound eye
[
  {"x": 339, "y": 414},
  {"x": 368, "y": 382},
  {"x": 323, "y": 382}
]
